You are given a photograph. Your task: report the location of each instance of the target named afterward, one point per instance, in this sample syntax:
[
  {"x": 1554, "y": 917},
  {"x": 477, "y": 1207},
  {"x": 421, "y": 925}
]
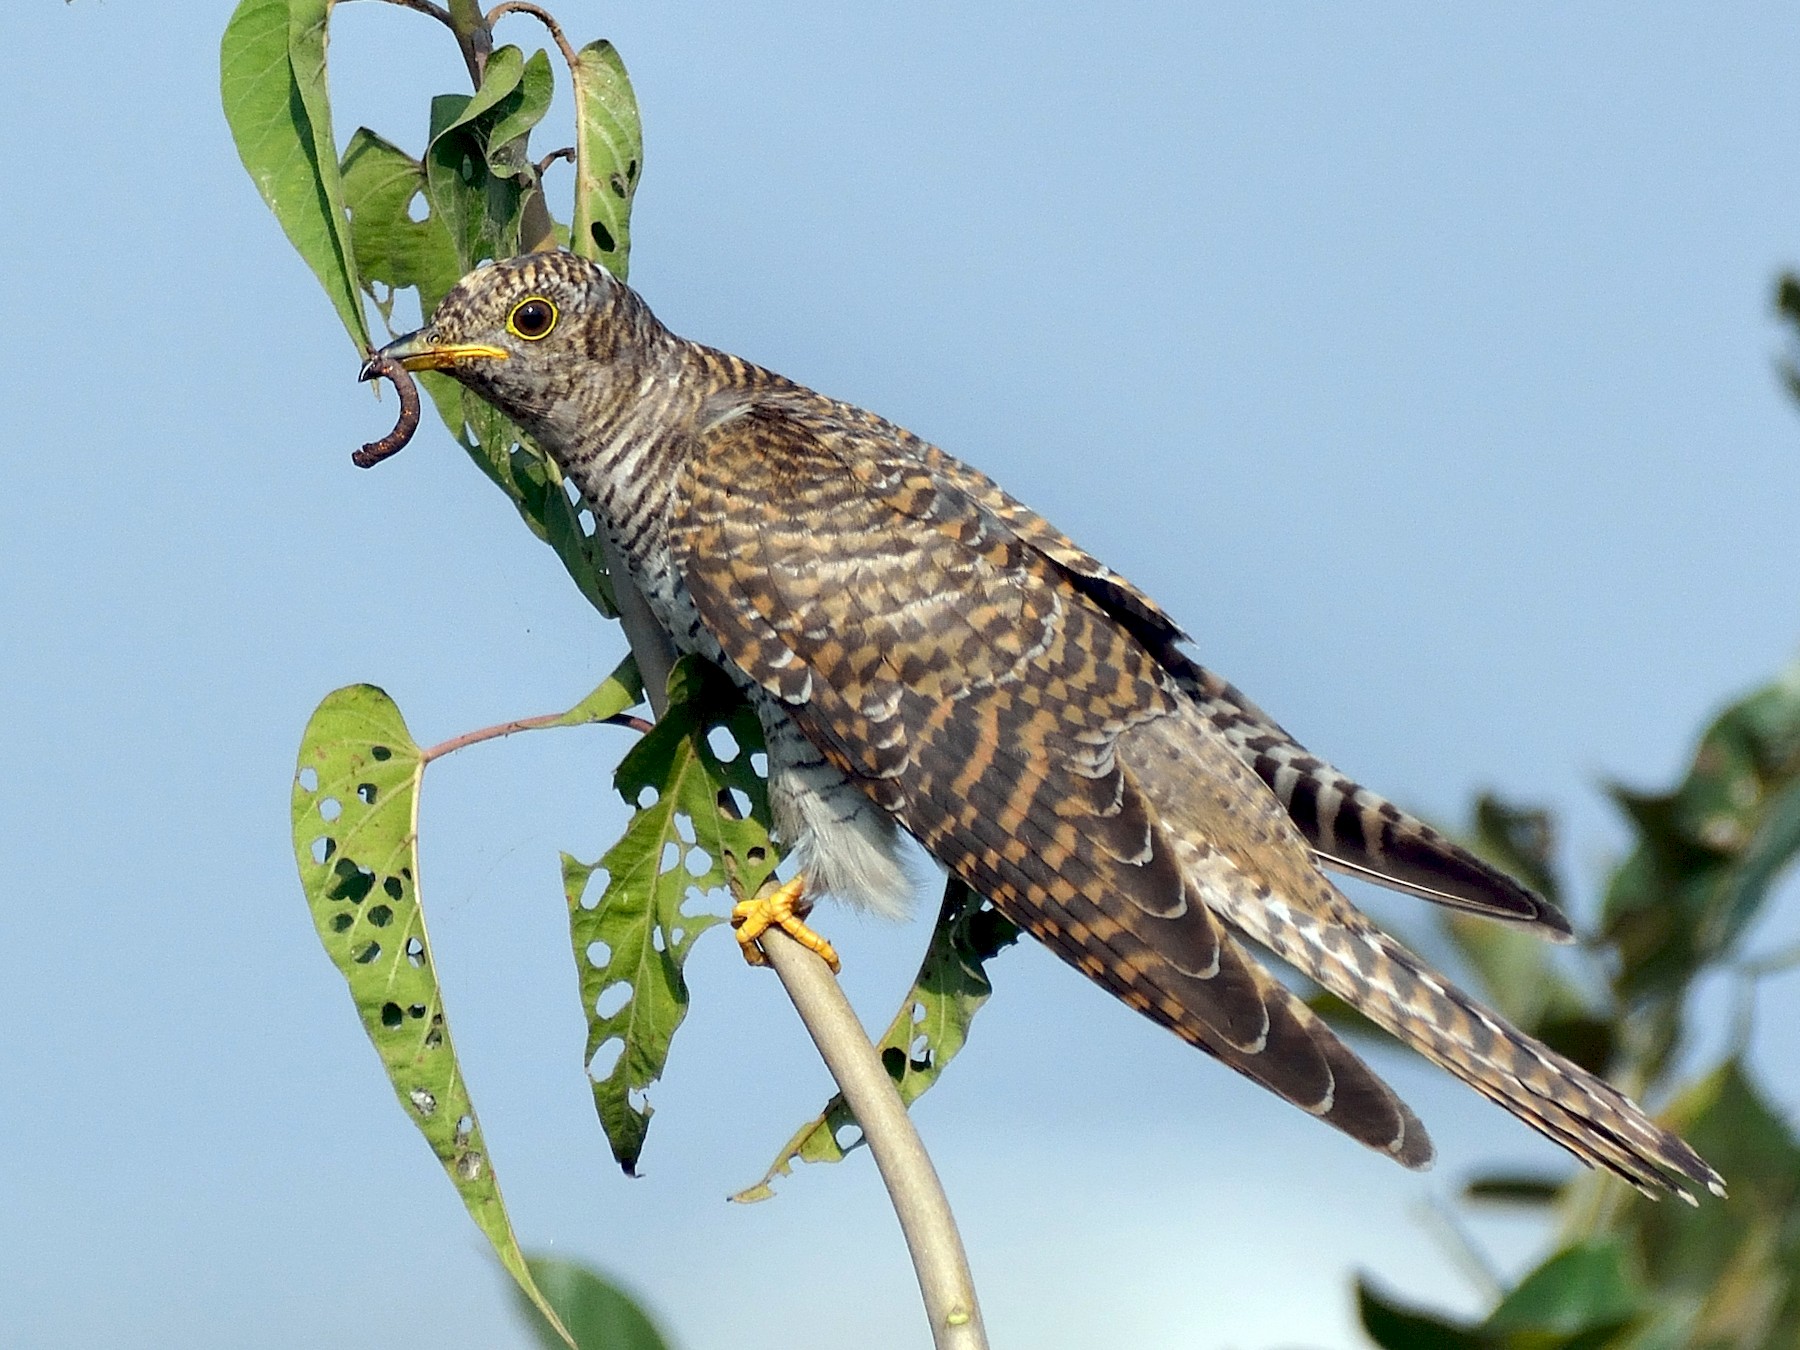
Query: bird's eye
[{"x": 532, "y": 319}]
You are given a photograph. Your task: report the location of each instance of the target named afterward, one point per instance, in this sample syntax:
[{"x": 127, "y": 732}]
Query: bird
[{"x": 929, "y": 657}]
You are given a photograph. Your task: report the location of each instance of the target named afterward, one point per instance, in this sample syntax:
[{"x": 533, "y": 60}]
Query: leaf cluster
[{"x": 1707, "y": 860}]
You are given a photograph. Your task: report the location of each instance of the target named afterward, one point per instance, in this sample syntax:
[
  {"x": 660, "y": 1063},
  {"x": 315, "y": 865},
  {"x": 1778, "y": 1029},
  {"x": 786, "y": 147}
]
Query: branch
[
  {"x": 649, "y": 643},
  {"x": 912, "y": 1182},
  {"x": 544, "y": 17},
  {"x": 519, "y": 724},
  {"x": 437, "y": 12},
  {"x": 472, "y": 35}
]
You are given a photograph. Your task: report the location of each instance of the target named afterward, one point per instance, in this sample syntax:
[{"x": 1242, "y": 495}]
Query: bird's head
[{"x": 527, "y": 334}]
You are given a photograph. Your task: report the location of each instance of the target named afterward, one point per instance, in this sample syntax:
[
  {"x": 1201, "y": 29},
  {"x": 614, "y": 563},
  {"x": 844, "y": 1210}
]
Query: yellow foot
[{"x": 781, "y": 908}]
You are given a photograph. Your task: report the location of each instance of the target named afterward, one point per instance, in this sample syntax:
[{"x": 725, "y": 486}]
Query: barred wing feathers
[
  {"x": 1023, "y": 731},
  {"x": 1352, "y": 829},
  {"x": 949, "y": 669}
]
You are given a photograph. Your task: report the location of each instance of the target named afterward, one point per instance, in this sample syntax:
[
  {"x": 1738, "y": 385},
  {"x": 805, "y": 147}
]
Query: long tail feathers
[
  {"x": 1335, "y": 945},
  {"x": 1298, "y": 1058},
  {"x": 1354, "y": 830}
]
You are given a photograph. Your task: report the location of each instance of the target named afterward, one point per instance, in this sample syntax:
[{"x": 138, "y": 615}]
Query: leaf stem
[
  {"x": 543, "y": 16},
  {"x": 906, "y": 1169},
  {"x": 518, "y": 724}
]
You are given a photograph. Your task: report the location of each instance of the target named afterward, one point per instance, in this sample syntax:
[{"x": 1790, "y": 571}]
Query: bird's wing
[
  {"x": 1028, "y": 739},
  {"x": 951, "y": 670},
  {"x": 1350, "y": 828}
]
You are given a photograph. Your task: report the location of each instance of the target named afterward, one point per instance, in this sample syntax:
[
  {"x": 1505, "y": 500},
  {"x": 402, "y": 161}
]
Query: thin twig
[
  {"x": 906, "y": 1169},
  {"x": 543, "y": 16},
  {"x": 437, "y": 12},
  {"x": 518, "y": 724},
  {"x": 567, "y": 152}
]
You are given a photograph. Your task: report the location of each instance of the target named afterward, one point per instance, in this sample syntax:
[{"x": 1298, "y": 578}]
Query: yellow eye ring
[{"x": 532, "y": 318}]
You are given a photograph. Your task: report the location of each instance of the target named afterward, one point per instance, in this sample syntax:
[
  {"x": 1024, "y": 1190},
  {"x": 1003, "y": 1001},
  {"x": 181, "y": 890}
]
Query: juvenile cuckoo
[{"x": 927, "y": 655}]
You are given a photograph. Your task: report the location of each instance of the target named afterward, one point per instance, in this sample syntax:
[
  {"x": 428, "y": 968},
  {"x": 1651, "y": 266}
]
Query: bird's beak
[{"x": 415, "y": 352}]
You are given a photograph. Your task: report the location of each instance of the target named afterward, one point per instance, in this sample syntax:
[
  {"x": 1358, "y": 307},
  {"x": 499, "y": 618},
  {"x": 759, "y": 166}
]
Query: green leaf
[
  {"x": 689, "y": 836},
  {"x": 272, "y": 84},
  {"x": 478, "y": 207},
  {"x": 598, "y": 1314},
  {"x": 1771, "y": 848},
  {"x": 930, "y": 1028},
  {"x": 1585, "y": 1288},
  {"x": 1395, "y": 1326},
  {"x": 1344, "y": 1017},
  {"x": 1709, "y": 851},
  {"x": 355, "y": 825},
  {"x": 381, "y": 182},
  {"x": 540, "y": 492},
  {"x": 609, "y": 158},
  {"x": 1521, "y": 840},
  {"x": 1738, "y": 1260},
  {"x": 522, "y": 111},
  {"x": 622, "y": 689},
  {"x": 1515, "y": 1188}
]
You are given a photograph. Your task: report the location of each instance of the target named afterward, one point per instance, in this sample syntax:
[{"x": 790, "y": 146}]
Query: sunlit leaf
[
  {"x": 930, "y": 1028},
  {"x": 355, "y": 825},
  {"x": 520, "y": 111},
  {"x": 272, "y": 83},
  {"x": 695, "y": 831},
  {"x": 622, "y": 689},
  {"x": 598, "y": 1314},
  {"x": 394, "y": 251},
  {"x": 609, "y": 158}
]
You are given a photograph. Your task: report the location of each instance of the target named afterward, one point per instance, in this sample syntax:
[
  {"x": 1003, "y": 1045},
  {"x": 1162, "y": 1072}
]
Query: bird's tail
[{"x": 1338, "y": 947}]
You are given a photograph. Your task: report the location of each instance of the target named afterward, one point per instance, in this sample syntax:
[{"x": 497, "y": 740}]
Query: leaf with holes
[
  {"x": 930, "y": 1028},
  {"x": 272, "y": 83},
  {"x": 609, "y": 158},
  {"x": 697, "y": 829},
  {"x": 394, "y": 251},
  {"x": 355, "y": 820}
]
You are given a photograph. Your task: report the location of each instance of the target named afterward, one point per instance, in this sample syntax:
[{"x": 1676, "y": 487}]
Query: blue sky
[{"x": 1419, "y": 357}]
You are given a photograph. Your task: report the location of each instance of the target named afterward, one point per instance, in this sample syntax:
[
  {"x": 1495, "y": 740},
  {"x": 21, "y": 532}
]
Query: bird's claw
[{"x": 783, "y": 908}]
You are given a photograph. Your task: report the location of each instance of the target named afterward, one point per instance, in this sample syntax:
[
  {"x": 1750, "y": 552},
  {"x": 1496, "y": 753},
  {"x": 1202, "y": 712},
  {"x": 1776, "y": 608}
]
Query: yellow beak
[{"x": 415, "y": 353}]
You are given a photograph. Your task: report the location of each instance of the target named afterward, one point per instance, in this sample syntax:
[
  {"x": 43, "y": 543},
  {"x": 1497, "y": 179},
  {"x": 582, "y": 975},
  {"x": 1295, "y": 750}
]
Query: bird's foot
[{"x": 785, "y": 908}]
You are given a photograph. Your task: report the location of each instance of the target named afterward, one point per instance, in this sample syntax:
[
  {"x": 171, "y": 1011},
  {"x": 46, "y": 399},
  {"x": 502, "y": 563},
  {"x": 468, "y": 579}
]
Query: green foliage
[
  {"x": 272, "y": 82},
  {"x": 355, "y": 822},
  {"x": 925, "y": 1035},
  {"x": 609, "y": 157},
  {"x": 696, "y": 828},
  {"x": 598, "y": 1314},
  {"x": 1630, "y": 1273}
]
